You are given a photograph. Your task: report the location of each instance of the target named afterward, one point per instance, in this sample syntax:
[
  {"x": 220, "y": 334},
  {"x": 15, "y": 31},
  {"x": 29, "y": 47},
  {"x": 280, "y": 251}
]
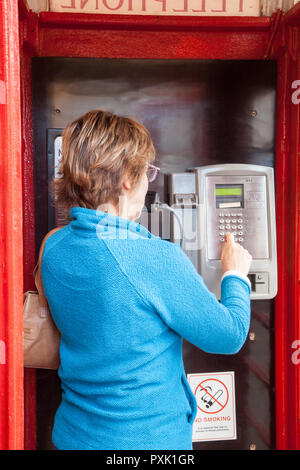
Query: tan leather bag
[{"x": 41, "y": 337}]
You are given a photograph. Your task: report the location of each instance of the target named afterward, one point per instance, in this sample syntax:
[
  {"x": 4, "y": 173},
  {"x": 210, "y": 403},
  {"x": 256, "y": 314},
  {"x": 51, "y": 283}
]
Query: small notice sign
[
  {"x": 160, "y": 7},
  {"x": 57, "y": 154},
  {"x": 215, "y": 395}
]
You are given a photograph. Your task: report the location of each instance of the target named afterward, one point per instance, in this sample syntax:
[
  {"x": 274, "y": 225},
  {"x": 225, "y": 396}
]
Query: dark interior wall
[{"x": 198, "y": 113}]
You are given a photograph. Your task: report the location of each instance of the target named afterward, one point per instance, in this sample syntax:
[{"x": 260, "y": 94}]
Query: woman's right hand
[{"x": 234, "y": 256}]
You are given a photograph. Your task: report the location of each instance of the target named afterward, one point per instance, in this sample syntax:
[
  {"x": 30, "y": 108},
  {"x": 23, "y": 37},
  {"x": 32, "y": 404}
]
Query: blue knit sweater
[{"x": 123, "y": 299}]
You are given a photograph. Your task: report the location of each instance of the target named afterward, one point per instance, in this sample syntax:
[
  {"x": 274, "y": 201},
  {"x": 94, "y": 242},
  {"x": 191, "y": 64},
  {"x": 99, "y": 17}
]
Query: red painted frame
[
  {"x": 286, "y": 50},
  {"x": 28, "y": 26},
  {"x": 11, "y": 230},
  {"x": 87, "y": 35}
]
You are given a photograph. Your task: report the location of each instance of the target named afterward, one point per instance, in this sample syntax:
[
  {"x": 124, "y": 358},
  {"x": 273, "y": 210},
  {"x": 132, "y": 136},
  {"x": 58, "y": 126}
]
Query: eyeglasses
[{"x": 152, "y": 172}]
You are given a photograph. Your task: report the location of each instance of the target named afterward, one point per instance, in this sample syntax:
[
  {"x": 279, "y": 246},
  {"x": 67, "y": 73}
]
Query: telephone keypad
[{"x": 231, "y": 221}]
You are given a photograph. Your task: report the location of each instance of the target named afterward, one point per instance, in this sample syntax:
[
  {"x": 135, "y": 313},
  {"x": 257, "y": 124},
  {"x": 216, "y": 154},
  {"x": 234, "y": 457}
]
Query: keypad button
[
  {"x": 233, "y": 227},
  {"x": 233, "y": 221},
  {"x": 221, "y": 233},
  {"x": 239, "y": 215},
  {"x": 240, "y": 226},
  {"x": 240, "y": 221},
  {"x": 222, "y": 221},
  {"x": 241, "y": 233},
  {"x": 222, "y": 239},
  {"x": 227, "y": 221},
  {"x": 221, "y": 214},
  {"x": 221, "y": 227},
  {"x": 241, "y": 239},
  {"x": 227, "y": 227},
  {"x": 227, "y": 215}
]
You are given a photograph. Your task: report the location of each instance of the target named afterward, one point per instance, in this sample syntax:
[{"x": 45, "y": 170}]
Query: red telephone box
[{"x": 24, "y": 36}]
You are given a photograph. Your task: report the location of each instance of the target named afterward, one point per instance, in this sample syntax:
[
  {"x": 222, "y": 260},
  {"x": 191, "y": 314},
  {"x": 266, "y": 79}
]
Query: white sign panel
[
  {"x": 57, "y": 155},
  {"x": 215, "y": 395},
  {"x": 160, "y": 7}
]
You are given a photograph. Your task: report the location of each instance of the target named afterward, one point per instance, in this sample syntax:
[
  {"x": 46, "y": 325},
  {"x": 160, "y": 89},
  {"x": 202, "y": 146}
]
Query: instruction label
[{"x": 215, "y": 395}]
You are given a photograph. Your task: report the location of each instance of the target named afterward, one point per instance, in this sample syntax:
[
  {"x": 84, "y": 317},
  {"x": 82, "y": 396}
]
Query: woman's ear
[{"x": 127, "y": 184}]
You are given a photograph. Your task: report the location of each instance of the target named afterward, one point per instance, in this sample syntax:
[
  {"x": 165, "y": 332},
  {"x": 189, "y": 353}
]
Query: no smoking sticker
[{"x": 215, "y": 395}]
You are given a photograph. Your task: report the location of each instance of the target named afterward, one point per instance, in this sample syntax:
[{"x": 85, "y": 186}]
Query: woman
[{"x": 123, "y": 299}]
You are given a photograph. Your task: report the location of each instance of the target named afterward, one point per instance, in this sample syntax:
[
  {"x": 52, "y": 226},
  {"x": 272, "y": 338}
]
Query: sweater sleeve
[{"x": 185, "y": 304}]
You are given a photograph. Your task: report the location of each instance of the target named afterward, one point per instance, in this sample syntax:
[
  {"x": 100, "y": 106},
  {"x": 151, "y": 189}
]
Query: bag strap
[{"x": 37, "y": 273}]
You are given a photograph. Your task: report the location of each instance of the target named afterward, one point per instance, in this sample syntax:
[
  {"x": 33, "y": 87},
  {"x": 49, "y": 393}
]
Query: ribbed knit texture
[{"x": 123, "y": 299}]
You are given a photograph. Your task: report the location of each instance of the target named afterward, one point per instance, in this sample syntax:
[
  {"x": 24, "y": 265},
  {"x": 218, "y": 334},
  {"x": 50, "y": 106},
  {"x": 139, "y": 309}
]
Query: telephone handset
[{"x": 237, "y": 198}]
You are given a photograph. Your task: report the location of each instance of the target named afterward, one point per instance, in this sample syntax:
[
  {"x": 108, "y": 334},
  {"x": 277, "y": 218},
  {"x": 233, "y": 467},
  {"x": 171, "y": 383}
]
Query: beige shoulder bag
[{"x": 41, "y": 337}]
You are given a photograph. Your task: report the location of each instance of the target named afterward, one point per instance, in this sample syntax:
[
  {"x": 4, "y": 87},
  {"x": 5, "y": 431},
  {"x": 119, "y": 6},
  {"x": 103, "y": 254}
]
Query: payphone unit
[{"x": 238, "y": 198}]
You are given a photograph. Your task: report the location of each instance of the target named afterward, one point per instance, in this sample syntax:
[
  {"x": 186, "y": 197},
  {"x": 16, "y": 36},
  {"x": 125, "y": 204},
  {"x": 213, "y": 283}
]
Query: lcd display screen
[
  {"x": 229, "y": 195},
  {"x": 229, "y": 191}
]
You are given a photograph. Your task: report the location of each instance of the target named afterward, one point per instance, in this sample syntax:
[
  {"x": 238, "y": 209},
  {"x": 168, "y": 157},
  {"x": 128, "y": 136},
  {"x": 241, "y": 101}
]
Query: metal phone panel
[
  {"x": 257, "y": 217},
  {"x": 249, "y": 223}
]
